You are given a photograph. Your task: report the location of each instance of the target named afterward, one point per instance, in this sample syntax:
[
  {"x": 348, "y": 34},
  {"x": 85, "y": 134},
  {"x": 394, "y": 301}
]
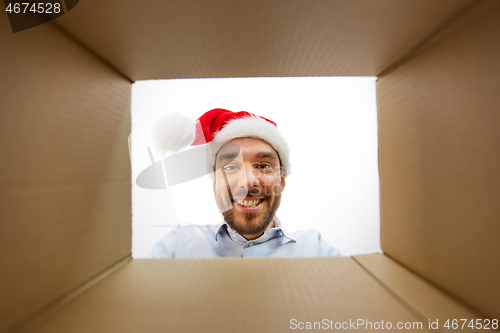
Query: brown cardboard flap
[
  {"x": 427, "y": 300},
  {"x": 228, "y": 295},
  {"x": 225, "y": 38},
  {"x": 65, "y": 171},
  {"x": 439, "y": 139}
]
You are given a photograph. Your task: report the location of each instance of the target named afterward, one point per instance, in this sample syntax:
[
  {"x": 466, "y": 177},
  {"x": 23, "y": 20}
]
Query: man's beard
[{"x": 245, "y": 227}]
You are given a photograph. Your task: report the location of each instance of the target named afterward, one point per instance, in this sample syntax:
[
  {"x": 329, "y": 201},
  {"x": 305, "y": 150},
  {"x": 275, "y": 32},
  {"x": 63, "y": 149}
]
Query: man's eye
[
  {"x": 230, "y": 167},
  {"x": 264, "y": 166}
]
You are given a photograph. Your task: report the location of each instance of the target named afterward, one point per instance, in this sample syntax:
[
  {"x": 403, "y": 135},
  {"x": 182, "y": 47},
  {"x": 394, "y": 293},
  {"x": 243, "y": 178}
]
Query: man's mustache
[{"x": 244, "y": 193}]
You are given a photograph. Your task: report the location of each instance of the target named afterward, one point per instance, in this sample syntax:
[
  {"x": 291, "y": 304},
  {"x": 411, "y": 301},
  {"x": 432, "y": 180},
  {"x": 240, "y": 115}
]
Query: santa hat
[{"x": 176, "y": 131}]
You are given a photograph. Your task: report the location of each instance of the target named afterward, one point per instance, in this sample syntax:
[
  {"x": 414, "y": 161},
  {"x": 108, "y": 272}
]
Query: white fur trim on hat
[{"x": 253, "y": 127}]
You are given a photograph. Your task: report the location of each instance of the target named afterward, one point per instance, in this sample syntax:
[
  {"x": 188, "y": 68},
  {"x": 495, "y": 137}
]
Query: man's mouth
[{"x": 249, "y": 202}]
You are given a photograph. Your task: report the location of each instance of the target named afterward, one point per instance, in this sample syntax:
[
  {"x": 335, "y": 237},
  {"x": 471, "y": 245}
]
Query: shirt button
[{"x": 250, "y": 244}]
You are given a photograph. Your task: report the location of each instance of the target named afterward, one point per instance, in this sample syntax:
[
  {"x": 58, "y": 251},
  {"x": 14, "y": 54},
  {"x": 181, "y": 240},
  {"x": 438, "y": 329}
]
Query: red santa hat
[{"x": 176, "y": 131}]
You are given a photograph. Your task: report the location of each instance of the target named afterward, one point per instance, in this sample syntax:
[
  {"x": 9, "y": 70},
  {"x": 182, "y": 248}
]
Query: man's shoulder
[
  {"x": 187, "y": 231},
  {"x": 309, "y": 234},
  {"x": 184, "y": 237},
  {"x": 311, "y": 239},
  {"x": 191, "y": 227}
]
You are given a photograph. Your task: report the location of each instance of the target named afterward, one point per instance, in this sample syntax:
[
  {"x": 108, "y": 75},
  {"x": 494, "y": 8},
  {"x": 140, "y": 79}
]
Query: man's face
[{"x": 248, "y": 185}]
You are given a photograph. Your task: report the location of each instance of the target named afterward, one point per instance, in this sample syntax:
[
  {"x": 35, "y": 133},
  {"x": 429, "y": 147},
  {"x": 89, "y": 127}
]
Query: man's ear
[
  {"x": 282, "y": 174},
  {"x": 214, "y": 180},
  {"x": 214, "y": 174}
]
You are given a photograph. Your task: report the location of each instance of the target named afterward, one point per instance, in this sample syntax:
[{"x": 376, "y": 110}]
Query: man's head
[
  {"x": 248, "y": 185},
  {"x": 250, "y": 158}
]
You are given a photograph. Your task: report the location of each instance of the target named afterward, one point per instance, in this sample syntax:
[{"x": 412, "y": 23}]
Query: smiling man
[
  {"x": 250, "y": 161},
  {"x": 253, "y": 179}
]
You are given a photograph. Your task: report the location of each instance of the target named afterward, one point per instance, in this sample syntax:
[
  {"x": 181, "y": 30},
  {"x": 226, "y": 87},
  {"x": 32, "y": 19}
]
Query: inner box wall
[
  {"x": 65, "y": 182},
  {"x": 439, "y": 140}
]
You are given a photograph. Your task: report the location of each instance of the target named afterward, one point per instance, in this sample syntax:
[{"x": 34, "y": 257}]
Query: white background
[{"x": 331, "y": 126}]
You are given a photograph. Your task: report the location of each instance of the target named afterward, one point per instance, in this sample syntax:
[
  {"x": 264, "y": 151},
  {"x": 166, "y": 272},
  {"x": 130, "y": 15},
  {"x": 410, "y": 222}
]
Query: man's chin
[
  {"x": 252, "y": 222},
  {"x": 247, "y": 223}
]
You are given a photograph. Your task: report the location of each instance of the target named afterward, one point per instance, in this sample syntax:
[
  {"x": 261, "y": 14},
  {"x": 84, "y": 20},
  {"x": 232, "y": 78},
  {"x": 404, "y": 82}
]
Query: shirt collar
[{"x": 224, "y": 227}]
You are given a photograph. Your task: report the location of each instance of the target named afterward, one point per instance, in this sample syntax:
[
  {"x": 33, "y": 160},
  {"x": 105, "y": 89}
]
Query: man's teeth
[{"x": 248, "y": 203}]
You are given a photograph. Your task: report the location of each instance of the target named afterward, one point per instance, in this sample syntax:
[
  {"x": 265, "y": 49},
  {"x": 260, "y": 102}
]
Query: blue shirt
[{"x": 214, "y": 241}]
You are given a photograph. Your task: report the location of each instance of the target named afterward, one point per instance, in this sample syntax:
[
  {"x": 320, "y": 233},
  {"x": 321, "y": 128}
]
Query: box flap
[
  {"x": 425, "y": 299},
  {"x": 225, "y": 38},
  {"x": 439, "y": 150},
  {"x": 65, "y": 181},
  {"x": 230, "y": 294}
]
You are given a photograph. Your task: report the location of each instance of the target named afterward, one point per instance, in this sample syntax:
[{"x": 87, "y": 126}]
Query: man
[{"x": 250, "y": 163}]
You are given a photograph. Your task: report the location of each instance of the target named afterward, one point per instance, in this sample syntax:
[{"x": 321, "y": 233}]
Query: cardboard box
[{"x": 65, "y": 180}]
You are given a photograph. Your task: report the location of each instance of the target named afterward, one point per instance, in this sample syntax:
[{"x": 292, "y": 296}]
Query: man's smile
[{"x": 249, "y": 205}]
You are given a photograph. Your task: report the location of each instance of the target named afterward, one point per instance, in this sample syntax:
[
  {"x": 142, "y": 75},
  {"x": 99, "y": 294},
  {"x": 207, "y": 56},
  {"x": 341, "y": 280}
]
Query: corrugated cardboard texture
[
  {"x": 425, "y": 299},
  {"x": 226, "y": 38},
  {"x": 439, "y": 138},
  {"x": 228, "y": 295},
  {"x": 65, "y": 171},
  {"x": 65, "y": 176}
]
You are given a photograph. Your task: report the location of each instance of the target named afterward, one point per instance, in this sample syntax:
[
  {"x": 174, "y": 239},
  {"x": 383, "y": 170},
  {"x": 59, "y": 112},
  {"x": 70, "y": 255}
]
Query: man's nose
[{"x": 248, "y": 178}]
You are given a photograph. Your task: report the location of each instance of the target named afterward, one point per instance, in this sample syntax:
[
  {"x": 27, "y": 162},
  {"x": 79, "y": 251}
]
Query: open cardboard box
[{"x": 65, "y": 183}]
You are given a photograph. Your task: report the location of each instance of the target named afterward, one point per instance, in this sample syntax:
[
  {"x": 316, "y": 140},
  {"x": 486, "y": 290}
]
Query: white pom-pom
[{"x": 172, "y": 132}]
